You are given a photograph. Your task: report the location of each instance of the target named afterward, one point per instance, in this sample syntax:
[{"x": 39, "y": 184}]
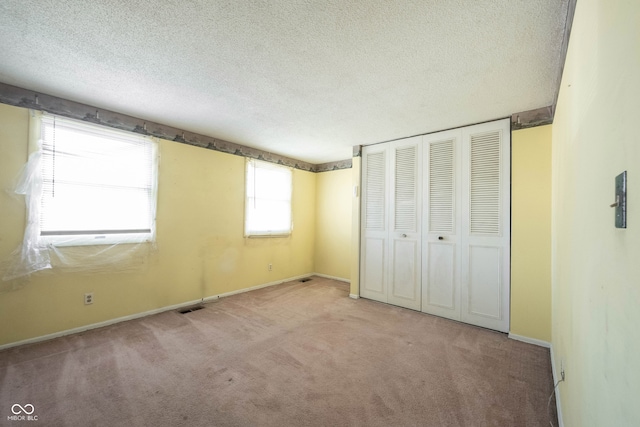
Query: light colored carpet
[{"x": 296, "y": 354}]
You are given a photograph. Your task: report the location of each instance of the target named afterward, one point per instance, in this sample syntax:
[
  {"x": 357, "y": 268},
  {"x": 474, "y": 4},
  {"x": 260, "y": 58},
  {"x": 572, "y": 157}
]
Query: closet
[
  {"x": 436, "y": 224},
  {"x": 391, "y": 233}
]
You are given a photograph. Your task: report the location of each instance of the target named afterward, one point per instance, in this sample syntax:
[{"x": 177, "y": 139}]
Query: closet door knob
[
  {"x": 440, "y": 238},
  {"x": 404, "y": 235}
]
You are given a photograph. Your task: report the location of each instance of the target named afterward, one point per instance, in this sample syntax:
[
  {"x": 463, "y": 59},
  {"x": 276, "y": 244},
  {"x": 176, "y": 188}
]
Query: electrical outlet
[
  {"x": 561, "y": 369},
  {"x": 88, "y": 298},
  {"x": 270, "y": 267}
]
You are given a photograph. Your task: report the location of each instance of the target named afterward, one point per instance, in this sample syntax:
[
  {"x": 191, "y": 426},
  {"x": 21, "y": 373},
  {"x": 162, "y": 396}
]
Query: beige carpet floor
[{"x": 296, "y": 354}]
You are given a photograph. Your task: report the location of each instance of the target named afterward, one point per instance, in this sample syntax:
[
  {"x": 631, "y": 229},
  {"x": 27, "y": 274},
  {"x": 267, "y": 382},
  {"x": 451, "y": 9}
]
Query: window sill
[{"x": 261, "y": 236}]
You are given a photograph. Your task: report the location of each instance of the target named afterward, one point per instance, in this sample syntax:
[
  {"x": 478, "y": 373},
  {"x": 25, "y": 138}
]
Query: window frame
[
  {"x": 251, "y": 233},
  {"x": 78, "y": 237}
]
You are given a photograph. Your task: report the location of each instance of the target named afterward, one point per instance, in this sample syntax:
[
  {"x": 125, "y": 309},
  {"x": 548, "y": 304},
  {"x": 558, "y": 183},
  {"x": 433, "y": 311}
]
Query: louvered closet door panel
[
  {"x": 405, "y": 188},
  {"x": 486, "y": 228},
  {"x": 374, "y": 236},
  {"x": 484, "y": 182},
  {"x": 441, "y": 185},
  {"x": 375, "y": 197},
  {"x": 441, "y": 225},
  {"x": 404, "y": 274}
]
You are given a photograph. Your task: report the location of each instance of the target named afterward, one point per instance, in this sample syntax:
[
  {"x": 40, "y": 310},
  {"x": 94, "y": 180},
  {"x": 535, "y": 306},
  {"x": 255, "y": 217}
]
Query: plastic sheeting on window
[
  {"x": 69, "y": 253},
  {"x": 29, "y": 258}
]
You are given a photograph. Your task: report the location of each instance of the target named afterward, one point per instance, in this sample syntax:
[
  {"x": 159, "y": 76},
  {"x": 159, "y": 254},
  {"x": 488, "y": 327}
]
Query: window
[
  {"x": 98, "y": 184},
  {"x": 268, "y": 199}
]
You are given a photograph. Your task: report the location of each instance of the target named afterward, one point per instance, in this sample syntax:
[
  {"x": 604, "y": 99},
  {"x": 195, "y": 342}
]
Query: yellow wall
[
  {"x": 14, "y": 129},
  {"x": 333, "y": 223},
  {"x": 201, "y": 249},
  {"x": 531, "y": 233},
  {"x": 596, "y": 267}
]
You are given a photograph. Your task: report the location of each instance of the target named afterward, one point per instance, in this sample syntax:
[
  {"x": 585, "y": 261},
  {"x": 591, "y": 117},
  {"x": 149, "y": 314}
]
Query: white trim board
[
  {"x": 326, "y": 276},
  {"x": 99, "y": 324},
  {"x": 354, "y": 296},
  {"x": 147, "y": 313},
  {"x": 548, "y": 345},
  {"x": 528, "y": 340},
  {"x": 253, "y": 288},
  {"x": 555, "y": 380}
]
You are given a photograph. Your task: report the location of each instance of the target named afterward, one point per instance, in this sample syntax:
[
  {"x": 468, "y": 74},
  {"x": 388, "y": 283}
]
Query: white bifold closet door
[
  {"x": 391, "y": 223},
  {"x": 374, "y": 223},
  {"x": 466, "y": 223},
  {"x": 436, "y": 224},
  {"x": 486, "y": 225},
  {"x": 442, "y": 224}
]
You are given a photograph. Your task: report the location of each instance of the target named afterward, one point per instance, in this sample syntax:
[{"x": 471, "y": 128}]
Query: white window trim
[
  {"x": 264, "y": 233},
  {"x": 81, "y": 239}
]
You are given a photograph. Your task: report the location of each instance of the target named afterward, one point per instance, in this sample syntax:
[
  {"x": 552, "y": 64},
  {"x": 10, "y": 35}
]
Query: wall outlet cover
[{"x": 88, "y": 298}]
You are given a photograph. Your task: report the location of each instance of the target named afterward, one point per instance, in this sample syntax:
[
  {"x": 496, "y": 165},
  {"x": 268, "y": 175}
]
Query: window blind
[
  {"x": 268, "y": 199},
  {"x": 96, "y": 181}
]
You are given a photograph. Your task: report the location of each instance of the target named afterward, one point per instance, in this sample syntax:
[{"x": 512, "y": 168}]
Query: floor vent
[
  {"x": 306, "y": 279},
  {"x": 190, "y": 309}
]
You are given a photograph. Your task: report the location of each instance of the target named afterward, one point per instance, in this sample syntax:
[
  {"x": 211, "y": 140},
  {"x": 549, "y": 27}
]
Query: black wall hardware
[{"x": 621, "y": 200}]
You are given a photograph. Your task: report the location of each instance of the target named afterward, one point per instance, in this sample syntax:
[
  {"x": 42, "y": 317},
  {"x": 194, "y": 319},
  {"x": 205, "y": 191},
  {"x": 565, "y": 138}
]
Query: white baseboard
[
  {"x": 99, "y": 324},
  {"x": 555, "y": 381},
  {"x": 253, "y": 288},
  {"x": 326, "y": 276},
  {"x": 528, "y": 340},
  {"x": 354, "y": 296},
  {"x": 146, "y": 313},
  {"x": 553, "y": 367}
]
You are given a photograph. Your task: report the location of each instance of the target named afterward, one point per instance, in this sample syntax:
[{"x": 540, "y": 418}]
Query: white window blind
[
  {"x": 98, "y": 184},
  {"x": 268, "y": 199}
]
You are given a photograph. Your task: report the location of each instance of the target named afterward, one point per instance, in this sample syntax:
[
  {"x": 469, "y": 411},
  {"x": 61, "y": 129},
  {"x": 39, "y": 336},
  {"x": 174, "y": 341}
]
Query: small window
[
  {"x": 98, "y": 184},
  {"x": 268, "y": 199}
]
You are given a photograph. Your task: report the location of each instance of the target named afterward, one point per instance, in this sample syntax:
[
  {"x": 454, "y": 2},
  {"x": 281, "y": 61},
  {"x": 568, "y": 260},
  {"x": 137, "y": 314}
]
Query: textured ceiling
[{"x": 302, "y": 78}]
